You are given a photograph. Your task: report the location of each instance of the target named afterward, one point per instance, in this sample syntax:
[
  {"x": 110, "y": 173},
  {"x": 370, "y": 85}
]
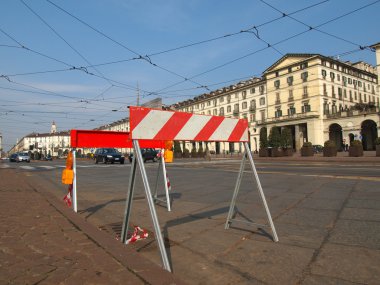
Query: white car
[{"x": 20, "y": 156}]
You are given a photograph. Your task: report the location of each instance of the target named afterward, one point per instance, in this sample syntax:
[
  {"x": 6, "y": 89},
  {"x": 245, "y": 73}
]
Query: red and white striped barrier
[{"x": 151, "y": 124}]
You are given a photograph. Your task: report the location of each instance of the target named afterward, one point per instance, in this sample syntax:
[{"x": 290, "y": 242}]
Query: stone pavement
[{"x": 42, "y": 242}]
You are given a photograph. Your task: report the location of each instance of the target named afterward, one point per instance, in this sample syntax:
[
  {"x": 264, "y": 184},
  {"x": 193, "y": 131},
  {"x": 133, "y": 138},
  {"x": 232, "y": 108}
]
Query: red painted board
[{"x": 96, "y": 139}]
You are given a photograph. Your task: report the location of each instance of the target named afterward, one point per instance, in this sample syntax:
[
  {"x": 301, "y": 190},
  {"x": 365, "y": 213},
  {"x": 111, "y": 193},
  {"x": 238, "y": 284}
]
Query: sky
[{"x": 82, "y": 63}]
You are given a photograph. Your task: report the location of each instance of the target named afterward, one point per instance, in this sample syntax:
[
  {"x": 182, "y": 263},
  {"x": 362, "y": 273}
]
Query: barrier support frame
[
  {"x": 148, "y": 193},
  {"x": 247, "y": 153},
  {"x": 163, "y": 164}
]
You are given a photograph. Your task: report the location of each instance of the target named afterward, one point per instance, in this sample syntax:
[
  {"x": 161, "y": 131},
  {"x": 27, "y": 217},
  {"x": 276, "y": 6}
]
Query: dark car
[
  {"x": 47, "y": 158},
  {"x": 318, "y": 148},
  {"x": 147, "y": 154},
  {"x": 107, "y": 155}
]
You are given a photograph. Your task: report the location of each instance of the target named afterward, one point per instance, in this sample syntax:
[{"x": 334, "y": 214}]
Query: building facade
[{"x": 317, "y": 97}]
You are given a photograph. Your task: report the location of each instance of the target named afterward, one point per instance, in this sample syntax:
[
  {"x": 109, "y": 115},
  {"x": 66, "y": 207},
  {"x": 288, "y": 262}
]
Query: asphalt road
[{"x": 327, "y": 216}]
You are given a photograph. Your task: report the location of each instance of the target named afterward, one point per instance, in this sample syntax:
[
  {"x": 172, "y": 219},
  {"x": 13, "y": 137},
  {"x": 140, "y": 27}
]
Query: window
[
  {"x": 229, "y": 109},
  {"x": 277, "y": 84},
  {"x": 324, "y": 73},
  {"x": 262, "y": 101},
  {"x": 221, "y": 99},
  {"x": 278, "y": 113},
  {"x": 262, "y": 115},
  {"x": 277, "y": 98},
  {"x": 290, "y": 80},
  {"x": 303, "y": 65},
  {"x": 349, "y": 81},
  {"x": 305, "y": 91},
  {"x": 228, "y": 98},
  {"x": 324, "y": 89},
  {"x": 236, "y": 108},
  {"x": 215, "y": 112},
  {"x": 344, "y": 93},
  {"x": 244, "y": 94},
  {"x": 291, "y": 110},
  {"x": 291, "y": 98},
  {"x": 252, "y": 91},
  {"x": 338, "y": 77},
  {"x": 277, "y": 74},
  {"x": 326, "y": 109},
  {"x": 221, "y": 111},
  {"x": 244, "y": 105},
  {"x": 252, "y": 105},
  {"x": 289, "y": 70},
  {"x": 332, "y": 76},
  {"x": 340, "y": 93},
  {"x": 236, "y": 95},
  {"x": 261, "y": 89},
  {"x": 208, "y": 103},
  {"x": 209, "y": 112},
  {"x": 306, "y": 108},
  {"x": 304, "y": 76},
  {"x": 333, "y": 91},
  {"x": 214, "y": 101}
]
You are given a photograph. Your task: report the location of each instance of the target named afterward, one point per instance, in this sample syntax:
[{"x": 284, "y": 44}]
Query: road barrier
[{"x": 159, "y": 125}]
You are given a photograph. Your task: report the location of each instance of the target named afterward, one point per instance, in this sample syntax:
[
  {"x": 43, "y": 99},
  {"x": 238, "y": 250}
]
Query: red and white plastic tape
[{"x": 138, "y": 234}]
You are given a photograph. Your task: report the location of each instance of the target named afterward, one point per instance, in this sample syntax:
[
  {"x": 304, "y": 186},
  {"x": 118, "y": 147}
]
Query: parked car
[
  {"x": 147, "y": 154},
  {"x": 19, "y": 157},
  {"x": 318, "y": 148},
  {"x": 47, "y": 158},
  {"x": 107, "y": 155}
]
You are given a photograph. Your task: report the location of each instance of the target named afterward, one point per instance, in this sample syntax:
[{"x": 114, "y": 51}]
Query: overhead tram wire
[
  {"x": 139, "y": 56},
  {"x": 363, "y": 47},
  {"x": 191, "y": 44},
  {"x": 71, "y": 67},
  {"x": 316, "y": 27},
  {"x": 61, "y": 37}
]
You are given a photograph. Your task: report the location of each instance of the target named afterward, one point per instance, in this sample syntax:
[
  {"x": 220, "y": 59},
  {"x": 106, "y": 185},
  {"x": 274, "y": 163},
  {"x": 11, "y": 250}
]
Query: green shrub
[
  {"x": 263, "y": 138},
  {"x": 286, "y": 138},
  {"x": 193, "y": 152},
  {"x": 307, "y": 144},
  {"x": 377, "y": 141},
  {"x": 330, "y": 143},
  {"x": 186, "y": 153},
  {"x": 356, "y": 143},
  {"x": 274, "y": 138}
]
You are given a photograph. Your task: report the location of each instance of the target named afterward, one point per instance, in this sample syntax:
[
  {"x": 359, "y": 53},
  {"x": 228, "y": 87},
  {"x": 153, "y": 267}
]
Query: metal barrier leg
[
  {"x": 236, "y": 191},
  {"x": 158, "y": 175},
  {"x": 261, "y": 192},
  {"x": 75, "y": 203},
  {"x": 152, "y": 209},
  {"x": 129, "y": 199},
  {"x": 166, "y": 182}
]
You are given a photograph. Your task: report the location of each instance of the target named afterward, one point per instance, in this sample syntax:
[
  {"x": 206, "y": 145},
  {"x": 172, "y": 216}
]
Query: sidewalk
[{"x": 43, "y": 242}]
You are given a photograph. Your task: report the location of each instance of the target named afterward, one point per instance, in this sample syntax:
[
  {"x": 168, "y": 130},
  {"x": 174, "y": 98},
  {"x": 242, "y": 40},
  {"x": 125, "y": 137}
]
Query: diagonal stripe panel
[
  {"x": 193, "y": 126},
  {"x": 137, "y": 113},
  {"x": 209, "y": 128},
  {"x": 240, "y": 131},
  {"x": 223, "y": 132},
  {"x": 173, "y": 126},
  {"x": 151, "y": 124},
  {"x": 159, "y": 125}
]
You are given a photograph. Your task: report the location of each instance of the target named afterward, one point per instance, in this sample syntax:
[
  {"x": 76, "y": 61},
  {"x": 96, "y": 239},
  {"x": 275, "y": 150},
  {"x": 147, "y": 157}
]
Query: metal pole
[
  {"x": 236, "y": 191},
  {"x": 261, "y": 192},
  {"x": 165, "y": 180},
  {"x": 152, "y": 209},
  {"x": 158, "y": 174},
  {"x": 75, "y": 204},
  {"x": 129, "y": 199}
]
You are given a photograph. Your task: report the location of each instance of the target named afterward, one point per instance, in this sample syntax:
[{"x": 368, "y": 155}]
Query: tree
[
  {"x": 274, "y": 138},
  {"x": 177, "y": 149},
  {"x": 286, "y": 138},
  {"x": 263, "y": 138}
]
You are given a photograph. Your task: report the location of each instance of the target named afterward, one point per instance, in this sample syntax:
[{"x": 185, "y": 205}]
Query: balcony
[
  {"x": 291, "y": 99},
  {"x": 292, "y": 117},
  {"x": 252, "y": 109},
  {"x": 278, "y": 101},
  {"x": 351, "y": 113},
  {"x": 305, "y": 95}
]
